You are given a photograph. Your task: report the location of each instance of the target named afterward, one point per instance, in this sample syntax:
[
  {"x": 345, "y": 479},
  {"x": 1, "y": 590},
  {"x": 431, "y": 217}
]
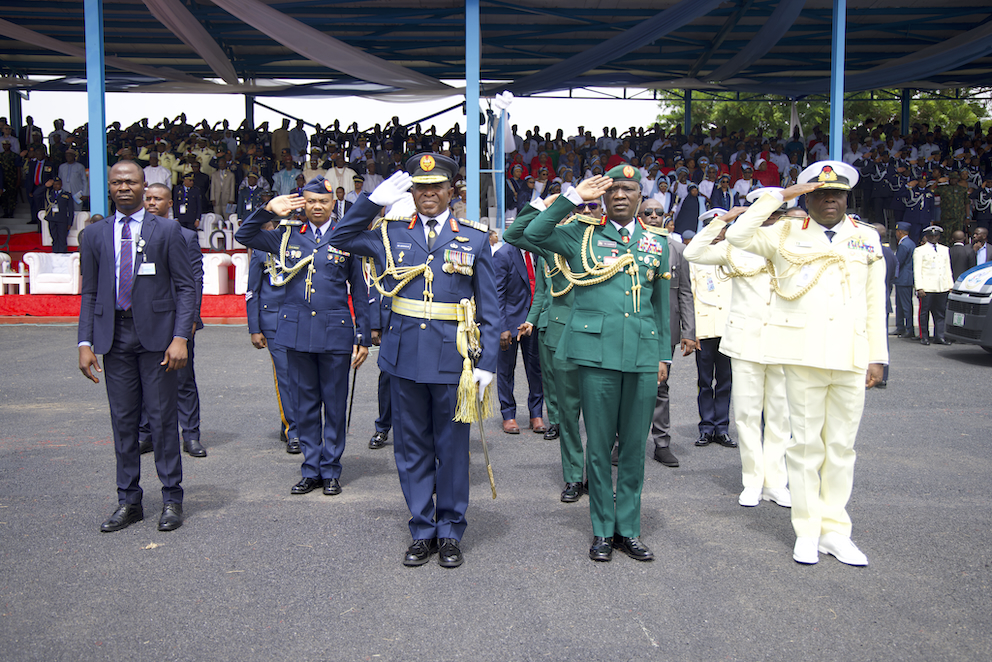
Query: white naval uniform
[
  {"x": 932, "y": 268},
  {"x": 759, "y": 386},
  {"x": 825, "y": 339}
]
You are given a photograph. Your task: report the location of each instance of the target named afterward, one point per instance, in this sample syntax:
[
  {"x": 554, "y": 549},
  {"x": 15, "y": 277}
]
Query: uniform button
[
  {"x": 652, "y": 333},
  {"x": 313, "y": 313},
  {"x": 265, "y": 305},
  {"x": 627, "y": 292},
  {"x": 313, "y": 290},
  {"x": 342, "y": 321},
  {"x": 587, "y": 326},
  {"x": 423, "y": 326},
  {"x": 626, "y": 314}
]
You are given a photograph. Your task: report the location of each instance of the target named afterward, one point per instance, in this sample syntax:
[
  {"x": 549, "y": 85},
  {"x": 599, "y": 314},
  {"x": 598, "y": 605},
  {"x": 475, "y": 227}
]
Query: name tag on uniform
[
  {"x": 146, "y": 269},
  {"x": 605, "y": 243},
  {"x": 403, "y": 247},
  {"x": 248, "y": 205},
  {"x": 55, "y": 209},
  {"x": 182, "y": 209}
]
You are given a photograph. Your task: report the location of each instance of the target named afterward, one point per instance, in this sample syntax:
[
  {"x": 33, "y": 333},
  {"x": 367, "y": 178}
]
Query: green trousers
[
  {"x": 548, "y": 378},
  {"x": 565, "y": 377},
  {"x": 616, "y": 405}
]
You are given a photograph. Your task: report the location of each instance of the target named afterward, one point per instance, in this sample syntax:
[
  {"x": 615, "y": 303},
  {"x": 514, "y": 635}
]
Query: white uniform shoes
[
  {"x": 841, "y": 548},
  {"x": 750, "y": 497},
  {"x": 805, "y": 551},
  {"x": 780, "y": 495}
]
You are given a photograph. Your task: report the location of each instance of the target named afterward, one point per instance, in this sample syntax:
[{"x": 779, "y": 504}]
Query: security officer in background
[
  {"x": 619, "y": 336},
  {"x": 553, "y": 304},
  {"x": 933, "y": 281},
  {"x": 59, "y": 212},
  {"x": 315, "y": 324},
  {"x": 263, "y": 300},
  {"x": 827, "y": 328},
  {"x": 379, "y": 307},
  {"x": 187, "y": 203},
  {"x": 905, "y": 326},
  {"x": 428, "y": 264}
]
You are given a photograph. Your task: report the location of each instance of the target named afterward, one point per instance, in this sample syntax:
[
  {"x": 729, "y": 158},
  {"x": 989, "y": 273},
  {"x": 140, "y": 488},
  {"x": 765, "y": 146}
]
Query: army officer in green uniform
[{"x": 618, "y": 335}]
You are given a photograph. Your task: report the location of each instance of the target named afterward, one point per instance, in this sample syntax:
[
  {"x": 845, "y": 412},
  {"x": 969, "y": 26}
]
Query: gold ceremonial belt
[{"x": 423, "y": 310}]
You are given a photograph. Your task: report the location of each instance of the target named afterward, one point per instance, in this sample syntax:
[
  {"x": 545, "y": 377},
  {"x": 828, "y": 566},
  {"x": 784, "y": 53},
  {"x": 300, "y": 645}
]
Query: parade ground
[{"x": 258, "y": 574}]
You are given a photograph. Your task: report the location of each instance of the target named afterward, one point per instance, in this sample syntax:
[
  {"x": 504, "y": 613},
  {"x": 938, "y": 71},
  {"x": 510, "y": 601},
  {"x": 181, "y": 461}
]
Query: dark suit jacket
[
  {"x": 194, "y": 205},
  {"x": 347, "y": 206},
  {"x": 164, "y": 304},
  {"x": 890, "y": 275},
  {"x": 47, "y": 172},
  {"x": 904, "y": 262},
  {"x": 512, "y": 288},
  {"x": 682, "y": 310},
  {"x": 196, "y": 261},
  {"x": 962, "y": 258}
]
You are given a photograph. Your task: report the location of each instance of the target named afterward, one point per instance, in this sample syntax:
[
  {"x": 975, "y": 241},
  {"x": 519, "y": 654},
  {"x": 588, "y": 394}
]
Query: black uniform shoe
[
  {"x": 449, "y": 555},
  {"x": 705, "y": 439},
  {"x": 378, "y": 440},
  {"x": 571, "y": 493},
  {"x": 666, "y": 457},
  {"x": 897, "y": 332},
  {"x": 601, "y": 550},
  {"x": 125, "y": 515},
  {"x": 941, "y": 341},
  {"x": 306, "y": 485},
  {"x": 172, "y": 517},
  {"x": 633, "y": 547},
  {"x": 293, "y": 446},
  {"x": 882, "y": 384},
  {"x": 332, "y": 487},
  {"x": 193, "y": 447},
  {"x": 724, "y": 440},
  {"x": 145, "y": 446},
  {"x": 908, "y": 334},
  {"x": 419, "y": 552},
  {"x": 924, "y": 341},
  {"x": 552, "y": 432}
]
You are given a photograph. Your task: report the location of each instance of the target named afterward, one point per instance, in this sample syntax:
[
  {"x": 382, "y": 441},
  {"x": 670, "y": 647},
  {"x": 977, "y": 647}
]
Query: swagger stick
[{"x": 351, "y": 400}]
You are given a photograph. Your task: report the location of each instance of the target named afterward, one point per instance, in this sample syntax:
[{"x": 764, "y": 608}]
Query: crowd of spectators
[{"x": 924, "y": 174}]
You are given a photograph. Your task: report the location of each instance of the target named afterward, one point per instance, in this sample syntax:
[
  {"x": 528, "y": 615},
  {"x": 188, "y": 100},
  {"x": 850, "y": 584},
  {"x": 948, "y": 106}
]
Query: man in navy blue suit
[
  {"x": 263, "y": 301},
  {"x": 315, "y": 324},
  {"x": 379, "y": 308},
  {"x": 187, "y": 203},
  {"x": 514, "y": 294},
  {"x": 440, "y": 261},
  {"x": 138, "y": 307},
  {"x": 905, "y": 327}
]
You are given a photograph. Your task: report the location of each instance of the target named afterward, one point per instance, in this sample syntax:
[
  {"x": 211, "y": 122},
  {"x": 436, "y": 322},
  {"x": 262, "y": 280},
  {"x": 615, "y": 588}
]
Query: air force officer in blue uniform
[
  {"x": 138, "y": 307},
  {"x": 447, "y": 260},
  {"x": 315, "y": 325}
]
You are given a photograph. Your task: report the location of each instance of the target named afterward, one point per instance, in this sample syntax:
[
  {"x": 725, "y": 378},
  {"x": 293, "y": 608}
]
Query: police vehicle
[{"x": 968, "y": 315}]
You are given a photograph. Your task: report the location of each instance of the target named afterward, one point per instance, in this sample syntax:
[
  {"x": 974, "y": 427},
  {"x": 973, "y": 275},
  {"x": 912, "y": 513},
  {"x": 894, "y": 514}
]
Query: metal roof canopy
[{"x": 786, "y": 48}]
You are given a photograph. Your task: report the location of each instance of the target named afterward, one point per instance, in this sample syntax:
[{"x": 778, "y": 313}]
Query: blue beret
[
  {"x": 319, "y": 185},
  {"x": 903, "y": 225}
]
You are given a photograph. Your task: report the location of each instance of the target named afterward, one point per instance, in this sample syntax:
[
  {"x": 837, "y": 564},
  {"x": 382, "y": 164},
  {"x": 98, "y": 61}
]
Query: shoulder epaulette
[
  {"x": 481, "y": 227},
  {"x": 379, "y": 221},
  {"x": 656, "y": 230},
  {"x": 588, "y": 220},
  {"x": 405, "y": 219}
]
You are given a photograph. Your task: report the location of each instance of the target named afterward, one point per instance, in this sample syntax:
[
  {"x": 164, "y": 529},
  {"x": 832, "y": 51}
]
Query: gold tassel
[{"x": 465, "y": 410}]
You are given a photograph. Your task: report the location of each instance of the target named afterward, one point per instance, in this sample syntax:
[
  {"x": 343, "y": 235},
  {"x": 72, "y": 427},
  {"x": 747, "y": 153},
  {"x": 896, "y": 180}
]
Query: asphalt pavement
[{"x": 258, "y": 574}]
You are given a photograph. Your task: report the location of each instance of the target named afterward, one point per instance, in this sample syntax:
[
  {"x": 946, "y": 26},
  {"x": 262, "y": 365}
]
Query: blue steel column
[
  {"x": 16, "y": 119},
  {"x": 472, "y": 152},
  {"x": 250, "y": 110},
  {"x": 904, "y": 120},
  {"x": 688, "y": 112},
  {"x": 96, "y": 102},
  {"x": 837, "y": 80}
]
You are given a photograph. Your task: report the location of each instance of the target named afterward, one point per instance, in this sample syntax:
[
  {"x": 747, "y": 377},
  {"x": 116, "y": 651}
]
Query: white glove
[
  {"x": 503, "y": 100},
  {"x": 391, "y": 190},
  {"x": 483, "y": 378}
]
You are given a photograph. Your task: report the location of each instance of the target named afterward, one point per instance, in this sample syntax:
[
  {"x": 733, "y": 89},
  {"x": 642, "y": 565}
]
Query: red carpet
[{"x": 61, "y": 305}]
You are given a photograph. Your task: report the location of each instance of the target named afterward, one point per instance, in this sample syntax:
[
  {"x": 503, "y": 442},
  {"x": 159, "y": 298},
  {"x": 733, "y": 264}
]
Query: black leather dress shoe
[
  {"x": 882, "y": 384},
  {"x": 633, "y": 547},
  {"x": 332, "y": 487},
  {"x": 705, "y": 439},
  {"x": 724, "y": 440},
  {"x": 306, "y": 486},
  {"x": 448, "y": 553},
  {"x": 378, "y": 440},
  {"x": 908, "y": 334},
  {"x": 125, "y": 515},
  {"x": 571, "y": 493},
  {"x": 941, "y": 341},
  {"x": 924, "y": 341},
  {"x": 193, "y": 447},
  {"x": 293, "y": 446},
  {"x": 601, "y": 550},
  {"x": 145, "y": 446},
  {"x": 419, "y": 552},
  {"x": 666, "y": 457},
  {"x": 552, "y": 432},
  {"x": 172, "y": 517},
  {"x": 897, "y": 332}
]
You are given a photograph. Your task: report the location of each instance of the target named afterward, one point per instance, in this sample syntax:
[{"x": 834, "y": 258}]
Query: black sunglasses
[
  {"x": 653, "y": 212},
  {"x": 591, "y": 206}
]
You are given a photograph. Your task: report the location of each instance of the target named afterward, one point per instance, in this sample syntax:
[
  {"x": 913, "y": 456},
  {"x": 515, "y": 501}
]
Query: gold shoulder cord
[
  {"x": 402, "y": 274},
  {"x": 734, "y": 271},
  {"x": 281, "y": 274},
  {"x": 598, "y": 272}
]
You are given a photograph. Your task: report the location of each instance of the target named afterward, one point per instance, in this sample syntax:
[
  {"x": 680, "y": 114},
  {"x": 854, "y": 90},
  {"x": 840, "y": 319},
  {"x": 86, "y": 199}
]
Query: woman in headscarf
[{"x": 689, "y": 210}]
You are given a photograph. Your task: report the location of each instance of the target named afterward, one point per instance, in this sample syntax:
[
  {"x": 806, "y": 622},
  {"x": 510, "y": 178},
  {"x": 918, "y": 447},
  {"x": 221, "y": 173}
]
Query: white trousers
[
  {"x": 825, "y": 411},
  {"x": 759, "y": 393}
]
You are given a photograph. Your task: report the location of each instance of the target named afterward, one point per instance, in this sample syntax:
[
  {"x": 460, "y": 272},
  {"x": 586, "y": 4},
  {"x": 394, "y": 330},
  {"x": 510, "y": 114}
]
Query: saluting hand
[
  {"x": 284, "y": 205},
  {"x": 593, "y": 188},
  {"x": 797, "y": 190}
]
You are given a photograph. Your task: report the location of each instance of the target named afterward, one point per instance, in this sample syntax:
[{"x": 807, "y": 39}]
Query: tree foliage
[{"x": 772, "y": 113}]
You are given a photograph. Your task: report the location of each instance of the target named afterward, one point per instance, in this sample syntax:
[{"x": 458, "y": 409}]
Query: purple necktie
[{"x": 126, "y": 277}]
